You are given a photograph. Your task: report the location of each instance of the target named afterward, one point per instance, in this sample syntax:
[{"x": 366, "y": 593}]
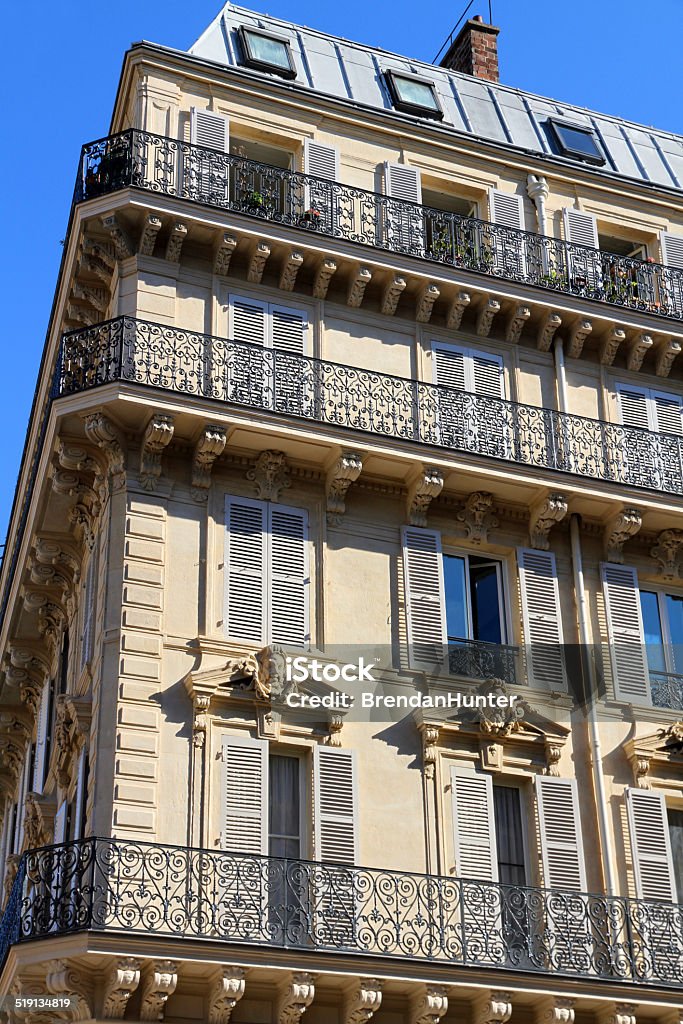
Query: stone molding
[
  {"x": 159, "y": 983},
  {"x": 620, "y": 528},
  {"x": 270, "y": 475},
  {"x": 121, "y": 980},
  {"x": 340, "y": 476},
  {"x": 427, "y": 485},
  {"x": 543, "y": 516}
]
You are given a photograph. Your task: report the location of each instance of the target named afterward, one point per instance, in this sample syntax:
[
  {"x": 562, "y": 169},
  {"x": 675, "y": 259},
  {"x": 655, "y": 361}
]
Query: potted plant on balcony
[
  {"x": 256, "y": 201},
  {"x": 311, "y": 218},
  {"x": 554, "y": 279}
]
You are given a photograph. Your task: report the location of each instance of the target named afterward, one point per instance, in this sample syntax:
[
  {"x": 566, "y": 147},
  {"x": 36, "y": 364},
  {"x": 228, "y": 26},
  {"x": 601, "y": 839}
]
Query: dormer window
[
  {"x": 413, "y": 95},
  {"x": 576, "y": 141},
  {"x": 266, "y": 52}
]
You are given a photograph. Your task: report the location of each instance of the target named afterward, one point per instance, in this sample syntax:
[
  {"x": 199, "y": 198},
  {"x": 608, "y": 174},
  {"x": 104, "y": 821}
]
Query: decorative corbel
[
  {"x": 227, "y": 988},
  {"x": 547, "y": 331},
  {"x": 62, "y": 979},
  {"x": 81, "y": 315},
  {"x": 72, "y": 724},
  {"x": 28, "y": 670},
  {"x": 174, "y": 245},
  {"x": 544, "y": 514},
  {"x": 160, "y": 983},
  {"x": 553, "y": 753},
  {"x": 51, "y": 620},
  {"x": 618, "y": 530},
  {"x": 577, "y": 338},
  {"x": 425, "y": 303},
  {"x": 223, "y": 252},
  {"x": 640, "y": 766},
  {"x": 102, "y": 251},
  {"x": 610, "y": 345},
  {"x": 335, "y": 724},
  {"x": 121, "y": 980},
  {"x": 478, "y": 517},
  {"x": 359, "y": 282},
  {"x": 12, "y": 862},
  {"x": 340, "y": 476},
  {"x": 666, "y": 353},
  {"x": 201, "y": 702},
  {"x": 97, "y": 297},
  {"x": 457, "y": 310},
  {"x": 666, "y": 552},
  {"x": 210, "y": 444},
  {"x": 270, "y": 475},
  {"x": 429, "y": 731},
  {"x": 123, "y": 247},
  {"x": 77, "y": 459},
  {"x": 427, "y": 485},
  {"x": 495, "y": 1007},
  {"x": 638, "y": 349},
  {"x": 291, "y": 266},
  {"x": 106, "y": 435},
  {"x": 323, "y": 276},
  {"x": 362, "y": 1001},
  {"x": 148, "y": 235},
  {"x": 156, "y": 439},
  {"x": 556, "y": 1010},
  {"x": 392, "y": 293},
  {"x": 428, "y": 1005},
  {"x": 39, "y": 816},
  {"x": 257, "y": 262},
  {"x": 515, "y": 325},
  {"x": 486, "y": 316},
  {"x": 618, "y": 1013},
  {"x": 296, "y": 996}
]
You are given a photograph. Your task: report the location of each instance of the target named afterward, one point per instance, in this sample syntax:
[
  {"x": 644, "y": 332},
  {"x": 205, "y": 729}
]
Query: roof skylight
[
  {"x": 413, "y": 95},
  {"x": 577, "y": 142},
  {"x": 265, "y": 52}
]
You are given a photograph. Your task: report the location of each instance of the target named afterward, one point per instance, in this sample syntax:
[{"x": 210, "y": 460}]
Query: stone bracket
[
  {"x": 544, "y": 514},
  {"x": 577, "y": 338},
  {"x": 357, "y": 287},
  {"x": 323, "y": 275},
  {"x": 610, "y": 345},
  {"x": 291, "y": 266},
  {"x": 362, "y": 1001},
  {"x": 174, "y": 245},
  {"x": 223, "y": 252},
  {"x": 156, "y": 439},
  {"x": 97, "y": 297},
  {"x": 159, "y": 983},
  {"x": 227, "y": 988},
  {"x": 340, "y": 476},
  {"x": 556, "y": 1010},
  {"x": 425, "y": 303},
  {"x": 638, "y": 349},
  {"x": 666, "y": 354},
  {"x": 122, "y": 979},
  {"x": 618, "y": 530},
  {"x": 457, "y": 310},
  {"x": 148, "y": 235},
  {"x": 392, "y": 293},
  {"x": 101, "y": 431},
  {"x": 210, "y": 444},
  {"x": 429, "y": 1005},
  {"x": 547, "y": 331},
  {"x": 486, "y": 316},
  {"x": 516, "y": 322},
  {"x": 123, "y": 247},
  {"x": 495, "y": 1007},
  {"x": 257, "y": 262},
  {"x": 295, "y": 998},
  {"x": 426, "y": 486},
  {"x": 62, "y": 980}
]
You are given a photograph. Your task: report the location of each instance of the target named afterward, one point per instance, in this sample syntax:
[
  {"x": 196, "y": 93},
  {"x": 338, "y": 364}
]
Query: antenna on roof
[{"x": 454, "y": 29}]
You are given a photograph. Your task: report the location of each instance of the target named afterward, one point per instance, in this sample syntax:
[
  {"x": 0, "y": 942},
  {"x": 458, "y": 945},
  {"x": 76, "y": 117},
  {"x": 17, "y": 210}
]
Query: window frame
[
  {"x": 249, "y": 60},
  {"x": 661, "y": 593},
  {"x": 557, "y": 124},
  {"x": 527, "y": 810},
  {"x": 503, "y": 590},
  {"x": 305, "y": 796},
  {"x": 405, "y": 106}
]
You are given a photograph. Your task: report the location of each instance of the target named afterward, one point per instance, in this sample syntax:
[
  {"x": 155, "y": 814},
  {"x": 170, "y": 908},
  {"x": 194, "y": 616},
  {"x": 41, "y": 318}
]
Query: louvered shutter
[
  {"x": 245, "y": 795},
  {"x": 425, "y": 600},
  {"x": 209, "y": 129},
  {"x": 60, "y": 823},
  {"x": 650, "y": 845},
  {"x": 585, "y": 267},
  {"x": 249, "y": 370},
  {"x": 288, "y": 578},
  {"x": 289, "y": 329},
  {"x": 474, "y": 829},
  {"x": 580, "y": 228},
  {"x": 449, "y": 367},
  {"x": 403, "y": 182},
  {"x": 88, "y": 630},
  {"x": 560, "y": 834},
  {"x": 41, "y": 740},
  {"x": 321, "y": 160},
  {"x": 507, "y": 250},
  {"x": 633, "y": 407},
  {"x": 248, "y": 322},
  {"x": 672, "y": 249},
  {"x": 487, "y": 375},
  {"x": 506, "y": 209},
  {"x": 404, "y": 224},
  {"x": 452, "y": 369},
  {"x": 626, "y": 634},
  {"x": 245, "y": 569},
  {"x": 542, "y": 618},
  {"x": 667, "y": 413},
  {"x": 204, "y": 170},
  {"x": 334, "y": 779}
]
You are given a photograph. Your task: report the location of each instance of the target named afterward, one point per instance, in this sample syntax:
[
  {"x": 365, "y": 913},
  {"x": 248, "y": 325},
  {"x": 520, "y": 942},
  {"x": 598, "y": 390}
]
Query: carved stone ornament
[
  {"x": 97, "y": 297},
  {"x": 340, "y": 476},
  {"x": 668, "y": 351},
  {"x": 223, "y": 252},
  {"x": 392, "y": 293},
  {"x": 556, "y": 1010},
  {"x": 429, "y": 1005},
  {"x": 210, "y": 444},
  {"x": 641, "y": 344},
  {"x": 499, "y": 721},
  {"x": 666, "y": 551},
  {"x": 425, "y": 303},
  {"x": 156, "y": 439},
  {"x": 174, "y": 245},
  {"x": 610, "y": 345},
  {"x": 160, "y": 983},
  {"x": 486, "y": 316},
  {"x": 426, "y": 486},
  {"x": 547, "y": 331},
  {"x": 323, "y": 276},
  {"x": 335, "y": 724},
  {"x": 296, "y": 997},
  {"x": 619, "y": 1013},
  {"x": 270, "y": 475},
  {"x": 544, "y": 515},
  {"x": 62, "y": 979},
  {"x": 227, "y": 988},
  {"x": 123, "y": 247},
  {"x": 257, "y": 262},
  {"x": 359, "y": 282},
  {"x": 72, "y": 723},
  {"x": 28, "y": 668},
  {"x": 291, "y": 266},
  {"x": 494, "y": 1008},
  {"x": 39, "y": 815},
  {"x": 672, "y": 737},
  {"x": 430, "y": 739},
  {"x": 148, "y": 235},
  {"x": 102, "y": 432},
  {"x": 516, "y": 322},
  {"x": 664, "y": 749},
  {"x": 457, "y": 310},
  {"x": 477, "y": 516},
  {"x": 363, "y": 1001},
  {"x": 121, "y": 980},
  {"x": 11, "y": 868},
  {"x": 577, "y": 338},
  {"x": 618, "y": 530}
]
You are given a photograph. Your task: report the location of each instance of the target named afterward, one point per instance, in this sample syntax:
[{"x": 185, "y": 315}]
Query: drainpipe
[
  {"x": 560, "y": 375},
  {"x": 594, "y": 745},
  {"x": 538, "y": 191}
]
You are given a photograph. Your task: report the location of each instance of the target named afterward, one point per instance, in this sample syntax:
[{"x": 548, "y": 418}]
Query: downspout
[{"x": 594, "y": 745}]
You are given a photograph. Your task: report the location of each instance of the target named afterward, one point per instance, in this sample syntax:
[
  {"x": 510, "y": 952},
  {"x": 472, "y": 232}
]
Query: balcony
[
  {"x": 248, "y": 376},
  {"x": 170, "y": 167},
  {"x": 109, "y": 886}
]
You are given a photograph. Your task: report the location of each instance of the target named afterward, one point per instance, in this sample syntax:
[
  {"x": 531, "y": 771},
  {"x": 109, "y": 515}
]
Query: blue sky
[{"x": 60, "y": 69}]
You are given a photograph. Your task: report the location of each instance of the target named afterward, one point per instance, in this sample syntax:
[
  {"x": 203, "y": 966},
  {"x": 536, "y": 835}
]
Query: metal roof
[{"x": 494, "y": 113}]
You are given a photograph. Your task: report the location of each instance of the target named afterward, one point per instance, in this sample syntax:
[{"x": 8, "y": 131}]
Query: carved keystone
[
  {"x": 323, "y": 276},
  {"x": 577, "y": 338},
  {"x": 494, "y": 1008},
  {"x": 174, "y": 245},
  {"x": 160, "y": 983},
  {"x": 291, "y": 266},
  {"x": 223, "y": 252},
  {"x": 156, "y": 439},
  {"x": 429, "y": 1005},
  {"x": 610, "y": 345},
  {"x": 544, "y": 514},
  {"x": 477, "y": 516},
  {"x": 340, "y": 476},
  {"x": 148, "y": 235},
  {"x": 618, "y": 529},
  {"x": 257, "y": 262},
  {"x": 486, "y": 315},
  {"x": 270, "y": 475},
  {"x": 295, "y": 998},
  {"x": 425, "y": 303},
  {"x": 121, "y": 980},
  {"x": 357, "y": 286},
  {"x": 666, "y": 354},
  {"x": 209, "y": 446},
  {"x": 457, "y": 309},
  {"x": 226, "y": 991},
  {"x": 666, "y": 552},
  {"x": 547, "y": 331},
  {"x": 392, "y": 293},
  {"x": 427, "y": 485},
  {"x": 641, "y": 344},
  {"x": 515, "y": 325},
  {"x": 362, "y": 1001}
]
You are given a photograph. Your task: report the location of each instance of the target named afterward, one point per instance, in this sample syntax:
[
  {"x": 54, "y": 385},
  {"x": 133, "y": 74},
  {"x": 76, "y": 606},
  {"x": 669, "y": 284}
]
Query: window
[
  {"x": 663, "y": 628},
  {"x": 265, "y": 52},
  {"x": 475, "y": 617},
  {"x": 675, "y": 822},
  {"x": 507, "y": 806},
  {"x": 413, "y": 95},
  {"x": 576, "y": 141},
  {"x": 471, "y": 415},
  {"x": 284, "y": 806},
  {"x": 652, "y": 436}
]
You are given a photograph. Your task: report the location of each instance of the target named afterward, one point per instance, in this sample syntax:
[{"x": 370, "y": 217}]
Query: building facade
[{"x": 351, "y": 357}]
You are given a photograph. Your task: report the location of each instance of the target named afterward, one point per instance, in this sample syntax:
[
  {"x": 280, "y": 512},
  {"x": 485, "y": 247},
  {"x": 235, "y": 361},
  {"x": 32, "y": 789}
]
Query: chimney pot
[{"x": 474, "y": 51}]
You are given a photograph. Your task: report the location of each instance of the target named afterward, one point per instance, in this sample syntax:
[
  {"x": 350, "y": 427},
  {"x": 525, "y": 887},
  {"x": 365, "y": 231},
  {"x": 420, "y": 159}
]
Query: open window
[
  {"x": 475, "y": 617},
  {"x": 413, "y": 94},
  {"x": 265, "y": 51},
  {"x": 662, "y": 615}
]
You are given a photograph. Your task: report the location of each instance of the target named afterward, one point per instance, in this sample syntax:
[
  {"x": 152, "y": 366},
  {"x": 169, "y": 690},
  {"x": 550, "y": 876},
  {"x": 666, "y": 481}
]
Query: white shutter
[
  {"x": 474, "y": 828},
  {"x": 650, "y": 845},
  {"x": 672, "y": 249},
  {"x": 633, "y": 406},
  {"x": 248, "y": 320},
  {"x": 209, "y": 130},
  {"x": 449, "y": 367},
  {"x": 321, "y": 160},
  {"x": 487, "y": 375},
  {"x": 88, "y": 620},
  {"x": 666, "y": 411},
  {"x": 580, "y": 228},
  {"x": 60, "y": 823},
  {"x": 560, "y": 833},
  {"x": 542, "y": 618},
  {"x": 425, "y": 598},
  {"x": 245, "y": 795},
  {"x": 288, "y": 580},
  {"x": 289, "y": 329},
  {"x": 402, "y": 182},
  {"x": 335, "y": 804},
  {"x": 80, "y": 796},
  {"x": 41, "y": 739},
  {"x": 626, "y": 634},
  {"x": 245, "y": 569},
  {"x": 506, "y": 209}
]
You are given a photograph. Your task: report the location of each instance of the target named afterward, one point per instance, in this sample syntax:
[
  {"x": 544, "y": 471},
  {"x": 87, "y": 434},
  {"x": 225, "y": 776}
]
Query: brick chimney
[{"x": 474, "y": 51}]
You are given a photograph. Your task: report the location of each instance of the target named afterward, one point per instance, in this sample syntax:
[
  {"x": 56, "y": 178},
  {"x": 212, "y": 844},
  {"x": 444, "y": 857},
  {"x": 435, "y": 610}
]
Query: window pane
[
  {"x": 676, "y": 835},
  {"x": 270, "y": 51},
  {"x": 674, "y": 608},
  {"x": 284, "y": 811},
  {"x": 653, "y": 631},
  {"x": 486, "y": 624},
  {"x": 419, "y": 94},
  {"x": 456, "y": 597},
  {"x": 578, "y": 141},
  {"x": 509, "y": 837}
]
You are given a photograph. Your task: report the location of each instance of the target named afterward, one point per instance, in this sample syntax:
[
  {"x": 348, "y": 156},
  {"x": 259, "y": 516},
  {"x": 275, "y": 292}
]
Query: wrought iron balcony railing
[
  {"x": 250, "y": 376},
  {"x": 476, "y": 659},
  {"x": 666, "y": 690},
  {"x": 175, "y": 168},
  {"x": 176, "y": 892}
]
